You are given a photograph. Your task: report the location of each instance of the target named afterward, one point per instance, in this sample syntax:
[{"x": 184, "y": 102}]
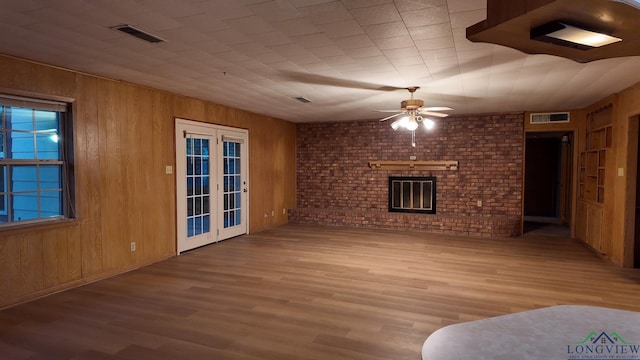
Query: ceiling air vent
[
  {"x": 128, "y": 29},
  {"x": 546, "y": 118},
  {"x": 302, "y": 99}
]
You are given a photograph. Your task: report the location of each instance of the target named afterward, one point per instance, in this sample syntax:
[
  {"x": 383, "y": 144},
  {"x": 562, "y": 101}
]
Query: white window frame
[{"x": 65, "y": 135}]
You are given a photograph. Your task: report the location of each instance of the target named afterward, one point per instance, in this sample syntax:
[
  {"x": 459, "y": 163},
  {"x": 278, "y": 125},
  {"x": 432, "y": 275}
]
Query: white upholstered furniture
[{"x": 558, "y": 332}]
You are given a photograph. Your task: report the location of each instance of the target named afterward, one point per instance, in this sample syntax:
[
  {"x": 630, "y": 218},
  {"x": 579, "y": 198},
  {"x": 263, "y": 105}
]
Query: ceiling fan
[{"x": 414, "y": 113}]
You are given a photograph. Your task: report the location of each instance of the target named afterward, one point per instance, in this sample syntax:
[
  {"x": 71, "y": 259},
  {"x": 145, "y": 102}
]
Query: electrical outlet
[
  {"x": 168, "y": 169},
  {"x": 479, "y": 203},
  {"x": 284, "y": 211},
  {"x": 133, "y": 246},
  {"x": 273, "y": 213}
]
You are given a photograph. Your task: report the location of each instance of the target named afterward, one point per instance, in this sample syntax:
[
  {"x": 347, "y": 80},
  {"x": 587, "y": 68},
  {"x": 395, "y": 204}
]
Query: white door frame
[{"x": 214, "y": 133}]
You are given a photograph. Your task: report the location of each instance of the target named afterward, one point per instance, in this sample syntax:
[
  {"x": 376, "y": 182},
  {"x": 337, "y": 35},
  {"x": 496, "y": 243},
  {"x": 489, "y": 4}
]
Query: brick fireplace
[{"x": 482, "y": 197}]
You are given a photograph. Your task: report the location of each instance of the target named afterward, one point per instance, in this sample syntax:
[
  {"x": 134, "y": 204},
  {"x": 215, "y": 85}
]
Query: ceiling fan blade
[
  {"x": 431, "y": 113},
  {"x": 438, "y": 108},
  {"x": 390, "y": 117},
  {"x": 316, "y": 79}
]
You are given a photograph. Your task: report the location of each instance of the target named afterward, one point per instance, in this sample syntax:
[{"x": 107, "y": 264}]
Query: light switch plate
[{"x": 168, "y": 169}]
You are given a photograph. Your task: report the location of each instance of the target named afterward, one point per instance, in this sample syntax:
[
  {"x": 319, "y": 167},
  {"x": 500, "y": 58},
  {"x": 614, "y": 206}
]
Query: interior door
[{"x": 233, "y": 190}]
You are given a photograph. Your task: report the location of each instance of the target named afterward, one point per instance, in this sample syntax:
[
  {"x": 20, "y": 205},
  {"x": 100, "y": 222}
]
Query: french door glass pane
[
  {"x": 198, "y": 216},
  {"x": 232, "y": 191}
]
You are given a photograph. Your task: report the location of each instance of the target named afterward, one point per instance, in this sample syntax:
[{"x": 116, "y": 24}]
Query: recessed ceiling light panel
[{"x": 571, "y": 36}]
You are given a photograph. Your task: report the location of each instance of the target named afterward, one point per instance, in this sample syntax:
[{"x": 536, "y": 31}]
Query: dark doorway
[{"x": 547, "y": 192}]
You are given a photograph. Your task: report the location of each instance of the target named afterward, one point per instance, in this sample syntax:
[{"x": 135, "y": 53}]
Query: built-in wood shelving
[
  {"x": 413, "y": 165},
  {"x": 593, "y": 159}
]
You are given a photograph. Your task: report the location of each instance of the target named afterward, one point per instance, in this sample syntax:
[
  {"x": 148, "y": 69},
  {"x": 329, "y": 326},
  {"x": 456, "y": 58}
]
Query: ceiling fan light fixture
[
  {"x": 411, "y": 125},
  {"x": 429, "y": 124},
  {"x": 398, "y": 123},
  {"x": 571, "y": 36}
]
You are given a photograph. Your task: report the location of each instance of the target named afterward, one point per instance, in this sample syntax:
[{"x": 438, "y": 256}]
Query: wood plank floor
[{"x": 311, "y": 292}]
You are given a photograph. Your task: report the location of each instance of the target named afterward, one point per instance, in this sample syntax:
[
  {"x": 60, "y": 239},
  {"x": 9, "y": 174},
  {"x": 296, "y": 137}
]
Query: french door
[{"x": 211, "y": 181}]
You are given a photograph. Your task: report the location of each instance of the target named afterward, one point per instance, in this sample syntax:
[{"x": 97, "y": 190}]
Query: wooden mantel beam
[{"x": 413, "y": 165}]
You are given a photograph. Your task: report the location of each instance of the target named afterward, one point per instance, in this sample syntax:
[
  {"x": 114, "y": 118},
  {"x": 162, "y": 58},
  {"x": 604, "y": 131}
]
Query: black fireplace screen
[{"x": 412, "y": 194}]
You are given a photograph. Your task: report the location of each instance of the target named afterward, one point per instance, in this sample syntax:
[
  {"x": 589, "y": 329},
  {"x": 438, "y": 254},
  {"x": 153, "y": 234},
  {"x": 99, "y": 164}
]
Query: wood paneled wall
[
  {"x": 625, "y": 141},
  {"x": 611, "y": 229},
  {"x": 123, "y": 139}
]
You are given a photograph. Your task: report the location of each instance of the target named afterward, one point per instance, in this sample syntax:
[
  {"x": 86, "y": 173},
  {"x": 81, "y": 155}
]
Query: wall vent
[
  {"x": 142, "y": 35},
  {"x": 546, "y": 118},
  {"x": 302, "y": 99}
]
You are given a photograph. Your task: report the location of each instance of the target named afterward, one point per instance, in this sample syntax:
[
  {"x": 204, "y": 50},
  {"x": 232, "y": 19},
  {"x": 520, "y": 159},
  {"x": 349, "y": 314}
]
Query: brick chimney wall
[{"x": 335, "y": 186}]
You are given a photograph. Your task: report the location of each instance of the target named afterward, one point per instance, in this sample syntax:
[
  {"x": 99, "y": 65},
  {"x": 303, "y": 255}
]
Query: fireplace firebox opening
[{"x": 412, "y": 194}]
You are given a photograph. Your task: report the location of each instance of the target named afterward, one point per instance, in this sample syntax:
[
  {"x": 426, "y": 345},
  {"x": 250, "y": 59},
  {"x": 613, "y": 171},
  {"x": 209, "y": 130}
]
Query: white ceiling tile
[
  {"x": 376, "y": 14},
  {"x": 313, "y": 40},
  {"x": 341, "y": 29},
  {"x": 296, "y": 27},
  {"x": 327, "y": 51},
  {"x": 386, "y": 30},
  {"x": 437, "y": 43},
  {"x": 203, "y": 23},
  {"x": 439, "y": 57},
  {"x": 466, "y": 5},
  {"x": 338, "y": 60},
  {"x": 123, "y": 9},
  {"x": 416, "y": 70},
  {"x": 211, "y": 46},
  {"x": 230, "y": 37},
  {"x": 176, "y": 8},
  {"x": 467, "y": 18},
  {"x": 183, "y": 35},
  {"x": 252, "y": 50},
  {"x": 222, "y": 10},
  {"x": 275, "y": 10},
  {"x": 430, "y": 16},
  {"x": 154, "y": 21},
  {"x": 411, "y": 5},
  {"x": 258, "y": 42},
  {"x": 394, "y": 43},
  {"x": 249, "y": 25},
  {"x": 25, "y": 5},
  {"x": 51, "y": 16},
  {"x": 288, "y": 50},
  {"x": 355, "y": 4},
  {"x": 353, "y": 42},
  {"x": 16, "y": 19},
  {"x": 407, "y": 61},
  {"x": 271, "y": 38},
  {"x": 401, "y": 52},
  {"x": 365, "y": 52},
  {"x": 431, "y": 31},
  {"x": 304, "y": 59},
  {"x": 333, "y": 11},
  {"x": 318, "y": 68},
  {"x": 309, "y": 3}
]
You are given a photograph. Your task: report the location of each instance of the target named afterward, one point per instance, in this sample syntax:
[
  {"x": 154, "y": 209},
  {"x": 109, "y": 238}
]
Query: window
[
  {"x": 35, "y": 174},
  {"x": 412, "y": 194}
]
